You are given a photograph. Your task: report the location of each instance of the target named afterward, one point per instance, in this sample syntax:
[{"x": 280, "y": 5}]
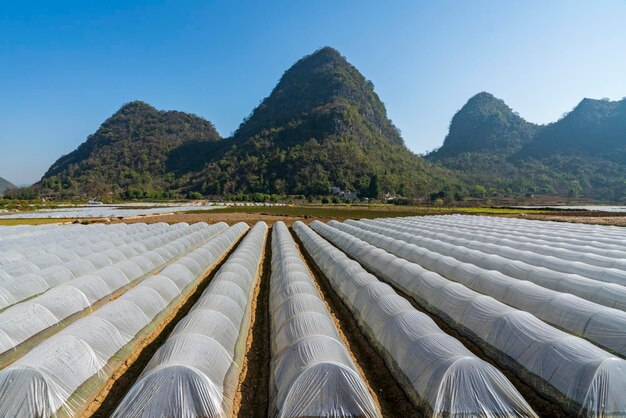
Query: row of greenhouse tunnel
[{"x": 469, "y": 316}]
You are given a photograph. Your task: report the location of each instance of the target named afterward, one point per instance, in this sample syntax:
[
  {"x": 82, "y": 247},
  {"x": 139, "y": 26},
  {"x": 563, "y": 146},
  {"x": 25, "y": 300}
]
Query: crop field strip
[
  {"x": 206, "y": 347},
  {"x": 25, "y": 324},
  {"x": 252, "y": 399},
  {"x": 593, "y": 258},
  {"x": 387, "y": 392},
  {"x": 418, "y": 316},
  {"x": 87, "y": 254},
  {"x": 131, "y": 354},
  {"x": 313, "y": 373},
  {"x": 601, "y": 325},
  {"x": 129, "y": 371},
  {"x": 46, "y": 381},
  {"x": 484, "y": 256},
  {"x": 569, "y": 370},
  {"x": 536, "y": 400},
  {"x": 409, "y": 341}
]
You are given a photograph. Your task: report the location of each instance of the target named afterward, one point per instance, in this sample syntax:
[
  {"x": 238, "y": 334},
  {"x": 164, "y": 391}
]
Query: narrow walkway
[
  {"x": 124, "y": 381},
  {"x": 392, "y": 400},
  {"x": 252, "y": 399},
  {"x": 539, "y": 403}
]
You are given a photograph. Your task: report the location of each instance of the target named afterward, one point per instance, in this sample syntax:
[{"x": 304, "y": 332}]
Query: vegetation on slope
[
  {"x": 322, "y": 126},
  {"x": 593, "y": 128},
  {"x": 138, "y": 148},
  {"x": 497, "y": 152},
  {"x": 485, "y": 123}
]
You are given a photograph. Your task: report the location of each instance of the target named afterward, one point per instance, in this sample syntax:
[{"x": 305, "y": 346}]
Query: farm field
[
  {"x": 361, "y": 312},
  {"x": 324, "y": 213},
  {"x": 122, "y": 210}
]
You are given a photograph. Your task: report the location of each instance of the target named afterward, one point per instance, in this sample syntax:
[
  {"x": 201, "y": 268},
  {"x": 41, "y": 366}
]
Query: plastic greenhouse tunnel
[
  {"x": 570, "y": 371},
  {"x": 196, "y": 371},
  {"x": 63, "y": 374},
  {"x": 442, "y": 377},
  {"x": 313, "y": 374}
]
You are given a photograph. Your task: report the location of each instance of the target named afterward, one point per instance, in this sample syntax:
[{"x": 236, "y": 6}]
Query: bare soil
[
  {"x": 209, "y": 217},
  {"x": 126, "y": 375},
  {"x": 252, "y": 397},
  {"x": 578, "y": 216},
  {"x": 574, "y": 216},
  {"x": 538, "y": 402},
  {"x": 385, "y": 390}
]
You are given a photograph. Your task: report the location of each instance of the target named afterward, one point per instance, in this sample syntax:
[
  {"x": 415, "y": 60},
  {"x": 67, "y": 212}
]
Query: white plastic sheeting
[
  {"x": 9, "y": 232},
  {"x": 106, "y": 211},
  {"x": 50, "y": 238},
  {"x": 195, "y": 372},
  {"x": 473, "y": 252},
  {"x": 313, "y": 374},
  {"x": 443, "y": 376},
  {"x": 42, "y": 383},
  {"x": 34, "y": 252},
  {"x": 32, "y": 276},
  {"x": 600, "y": 324},
  {"x": 530, "y": 232},
  {"x": 588, "y": 264},
  {"x": 22, "y": 321},
  {"x": 579, "y": 376},
  {"x": 598, "y": 234}
]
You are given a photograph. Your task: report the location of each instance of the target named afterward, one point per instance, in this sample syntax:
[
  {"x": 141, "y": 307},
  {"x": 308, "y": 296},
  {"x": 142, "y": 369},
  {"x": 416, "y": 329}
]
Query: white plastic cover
[
  {"x": 119, "y": 210},
  {"x": 596, "y": 235},
  {"x": 43, "y": 239},
  {"x": 484, "y": 255},
  {"x": 441, "y": 373},
  {"x": 16, "y": 285},
  {"x": 594, "y": 259},
  {"x": 313, "y": 374},
  {"x": 579, "y": 376},
  {"x": 41, "y": 383},
  {"x": 600, "y": 324},
  {"x": 194, "y": 373},
  {"x": 23, "y": 320}
]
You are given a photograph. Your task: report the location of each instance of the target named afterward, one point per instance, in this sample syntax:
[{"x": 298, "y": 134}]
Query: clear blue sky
[{"x": 65, "y": 66}]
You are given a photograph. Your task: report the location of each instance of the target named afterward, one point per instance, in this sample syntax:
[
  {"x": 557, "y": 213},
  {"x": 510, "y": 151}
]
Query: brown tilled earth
[
  {"x": 229, "y": 218},
  {"x": 583, "y": 217},
  {"x": 385, "y": 390},
  {"x": 586, "y": 217}
]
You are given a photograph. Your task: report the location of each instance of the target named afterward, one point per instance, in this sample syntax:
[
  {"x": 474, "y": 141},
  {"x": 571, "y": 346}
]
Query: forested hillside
[
  {"x": 582, "y": 154},
  {"x": 323, "y": 125},
  {"x": 139, "y": 148}
]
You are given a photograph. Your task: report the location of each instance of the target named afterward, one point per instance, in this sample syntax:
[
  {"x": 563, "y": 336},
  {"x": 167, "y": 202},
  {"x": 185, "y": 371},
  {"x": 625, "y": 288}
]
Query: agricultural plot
[
  {"x": 446, "y": 316},
  {"x": 108, "y": 211}
]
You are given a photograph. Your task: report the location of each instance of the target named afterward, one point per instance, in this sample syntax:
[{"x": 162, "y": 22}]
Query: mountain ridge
[
  {"x": 131, "y": 149},
  {"x": 486, "y": 122},
  {"x": 5, "y": 185},
  {"x": 595, "y": 127},
  {"x": 322, "y": 126},
  {"x": 583, "y": 153}
]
